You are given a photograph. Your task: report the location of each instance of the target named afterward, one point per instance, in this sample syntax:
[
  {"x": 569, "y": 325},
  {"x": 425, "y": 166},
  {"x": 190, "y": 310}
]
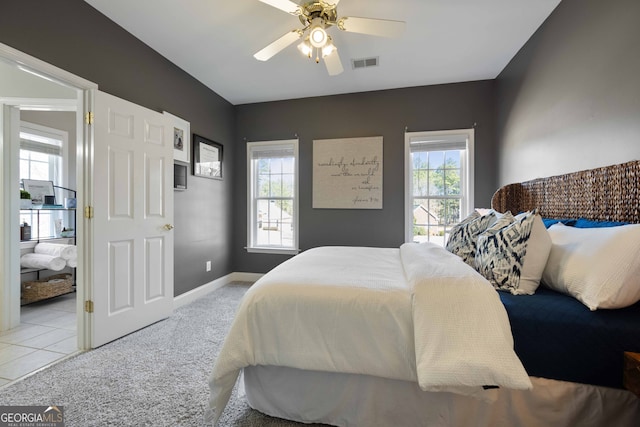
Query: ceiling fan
[{"x": 316, "y": 17}]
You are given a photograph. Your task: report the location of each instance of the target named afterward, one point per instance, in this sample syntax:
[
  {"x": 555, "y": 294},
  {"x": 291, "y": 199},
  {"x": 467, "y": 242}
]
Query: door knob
[{"x": 168, "y": 227}]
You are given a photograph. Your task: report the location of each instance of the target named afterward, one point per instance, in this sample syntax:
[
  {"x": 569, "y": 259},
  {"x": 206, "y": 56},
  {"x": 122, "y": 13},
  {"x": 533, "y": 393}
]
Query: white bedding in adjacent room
[{"x": 417, "y": 313}]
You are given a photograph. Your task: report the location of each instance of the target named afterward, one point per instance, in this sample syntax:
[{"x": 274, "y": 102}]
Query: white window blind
[{"x": 40, "y": 147}]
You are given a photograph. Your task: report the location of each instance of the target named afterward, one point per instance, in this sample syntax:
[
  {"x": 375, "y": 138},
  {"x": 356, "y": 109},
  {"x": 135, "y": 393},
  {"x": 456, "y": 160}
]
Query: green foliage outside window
[{"x": 438, "y": 174}]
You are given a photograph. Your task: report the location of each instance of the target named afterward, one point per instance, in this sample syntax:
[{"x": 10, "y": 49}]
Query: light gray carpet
[{"x": 154, "y": 377}]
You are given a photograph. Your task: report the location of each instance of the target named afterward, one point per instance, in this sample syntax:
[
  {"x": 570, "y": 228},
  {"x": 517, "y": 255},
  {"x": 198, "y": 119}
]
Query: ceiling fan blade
[
  {"x": 284, "y": 5},
  {"x": 333, "y": 63},
  {"x": 278, "y": 45},
  {"x": 373, "y": 27}
]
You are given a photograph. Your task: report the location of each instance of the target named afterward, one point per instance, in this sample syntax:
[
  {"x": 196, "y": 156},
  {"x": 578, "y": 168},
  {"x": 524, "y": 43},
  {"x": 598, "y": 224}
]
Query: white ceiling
[{"x": 446, "y": 41}]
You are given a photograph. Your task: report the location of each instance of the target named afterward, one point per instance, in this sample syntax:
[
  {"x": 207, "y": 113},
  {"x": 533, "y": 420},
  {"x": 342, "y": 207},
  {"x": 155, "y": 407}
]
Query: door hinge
[
  {"x": 88, "y": 306},
  {"x": 88, "y": 212},
  {"x": 88, "y": 118}
]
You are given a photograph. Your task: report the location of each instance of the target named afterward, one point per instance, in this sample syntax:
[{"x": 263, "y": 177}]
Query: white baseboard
[
  {"x": 200, "y": 291},
  {"x": 246, "y": 277}
]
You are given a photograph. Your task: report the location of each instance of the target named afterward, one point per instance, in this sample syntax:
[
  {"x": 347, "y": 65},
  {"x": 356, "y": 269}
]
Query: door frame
[{"x": 9, "y": 253}]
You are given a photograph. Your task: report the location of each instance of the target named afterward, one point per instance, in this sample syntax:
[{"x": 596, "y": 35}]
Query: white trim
[
  {"x": 9, "y": 217},
  {"x": 43, "y": 69},
  {"x": 467, "y": 165},
  {"x": 278, "y": 251},
  {"x": 45, "y": 104},
  {"x": 245, "y": 277},
  {"x": 408, "y": 208},
  {"x": 192, "y": 295}
]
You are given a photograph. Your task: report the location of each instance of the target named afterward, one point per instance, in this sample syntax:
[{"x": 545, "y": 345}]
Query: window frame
[
  {"x": 252, "y": 222},
  {"x": 441, "y": 138},
  {"x": 53, "y": 134}
]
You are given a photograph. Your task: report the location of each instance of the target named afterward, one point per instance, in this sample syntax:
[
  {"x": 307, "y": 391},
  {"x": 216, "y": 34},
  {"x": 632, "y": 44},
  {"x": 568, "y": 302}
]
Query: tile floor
[{"x": 47, "y": 332}]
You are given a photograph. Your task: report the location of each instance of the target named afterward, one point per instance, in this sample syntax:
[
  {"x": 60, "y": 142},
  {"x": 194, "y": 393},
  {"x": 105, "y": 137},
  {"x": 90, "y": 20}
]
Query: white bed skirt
[{"x": 360, "y": 400}]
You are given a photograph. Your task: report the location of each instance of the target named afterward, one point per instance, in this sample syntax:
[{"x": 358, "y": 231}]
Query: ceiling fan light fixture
[
  {"x": 306, "y": 48},
  {"x": 328, "y": 48},
  {"x": 317, "y": 34},
  {"x": 317, "y": 16}
]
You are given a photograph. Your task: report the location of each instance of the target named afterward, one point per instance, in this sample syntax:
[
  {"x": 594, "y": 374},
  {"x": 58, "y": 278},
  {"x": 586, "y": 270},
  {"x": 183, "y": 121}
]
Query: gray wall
[
  {"x": 385, "y": 113},
  {"x": 75, "y": 37},
  {"x": 570, "y": 99}
]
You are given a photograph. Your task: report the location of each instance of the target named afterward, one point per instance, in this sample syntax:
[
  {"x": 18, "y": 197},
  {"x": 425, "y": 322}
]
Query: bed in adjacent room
[{"x": 418, "y": 335}]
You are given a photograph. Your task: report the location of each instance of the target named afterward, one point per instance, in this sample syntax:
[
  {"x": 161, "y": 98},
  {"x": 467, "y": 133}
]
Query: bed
[{"x": 380, "y": 336}]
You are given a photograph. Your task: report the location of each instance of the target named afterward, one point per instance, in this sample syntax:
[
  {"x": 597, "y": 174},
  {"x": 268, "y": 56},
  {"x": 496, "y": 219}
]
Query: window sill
[{"x": 278, "y": 251}]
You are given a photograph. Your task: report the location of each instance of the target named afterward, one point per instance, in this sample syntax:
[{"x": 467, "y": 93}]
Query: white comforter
[{"x": 417, "y": 313}]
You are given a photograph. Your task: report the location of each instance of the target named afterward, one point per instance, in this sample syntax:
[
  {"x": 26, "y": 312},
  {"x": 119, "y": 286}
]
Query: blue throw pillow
[
  {"x": 587, "y": 223},
  {"x": 548, "y": 222}
]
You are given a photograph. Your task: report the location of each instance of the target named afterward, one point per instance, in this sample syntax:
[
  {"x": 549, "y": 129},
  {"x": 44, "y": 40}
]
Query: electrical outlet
[{"x": 208, "y": 265}]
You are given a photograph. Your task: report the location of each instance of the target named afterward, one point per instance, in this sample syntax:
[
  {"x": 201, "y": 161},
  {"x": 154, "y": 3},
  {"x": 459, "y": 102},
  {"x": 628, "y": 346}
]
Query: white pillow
[
  {"x": 538, "y": 248},
  {"x": 598, "y": 266}
]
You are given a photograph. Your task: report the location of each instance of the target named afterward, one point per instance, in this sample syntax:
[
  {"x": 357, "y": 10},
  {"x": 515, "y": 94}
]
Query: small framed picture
[
  {"x": 39, "y": 190},
  {"x": 181, "y": 138},
  {"x": 207, "y": 158}
]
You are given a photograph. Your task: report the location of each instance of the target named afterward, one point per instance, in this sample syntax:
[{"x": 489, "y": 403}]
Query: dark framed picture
[
  {"x": 207, "y": 158},
  {"x": 179, "y": 176}
]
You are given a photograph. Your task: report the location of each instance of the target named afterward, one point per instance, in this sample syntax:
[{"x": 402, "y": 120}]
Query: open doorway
[
  {"x": 48, "y": 315},
  {"x": 45, "y": 100},
  {"x": 119, "y": 289}
]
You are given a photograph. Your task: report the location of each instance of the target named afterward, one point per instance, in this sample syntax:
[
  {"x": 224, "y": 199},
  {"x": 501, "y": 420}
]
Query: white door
[{"x": 132, "y": 278}]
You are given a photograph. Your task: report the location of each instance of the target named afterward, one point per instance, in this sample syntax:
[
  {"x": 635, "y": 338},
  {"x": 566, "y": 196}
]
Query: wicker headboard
[{"x": 610, "y": 193}]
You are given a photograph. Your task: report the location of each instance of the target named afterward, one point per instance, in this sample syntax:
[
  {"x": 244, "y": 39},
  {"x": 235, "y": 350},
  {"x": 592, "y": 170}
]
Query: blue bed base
[{"x": 557, "y": 337}]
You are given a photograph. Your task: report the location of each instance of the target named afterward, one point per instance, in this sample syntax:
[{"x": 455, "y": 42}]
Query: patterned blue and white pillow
[
  {"x": 501, "y": 250},
  {"x": 462, "y": 240}
]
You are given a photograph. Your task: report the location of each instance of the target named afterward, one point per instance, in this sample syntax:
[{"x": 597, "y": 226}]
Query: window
[
  {"x": 41, "y": 153},
  {"x": 438, "y": 183},
  {"x": 43, "y": 157},
  {"x": 272, "y": 196}
]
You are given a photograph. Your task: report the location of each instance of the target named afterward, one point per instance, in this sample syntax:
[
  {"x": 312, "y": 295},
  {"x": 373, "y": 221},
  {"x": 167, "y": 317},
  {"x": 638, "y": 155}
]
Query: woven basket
[{"x": 52, "y": 286}]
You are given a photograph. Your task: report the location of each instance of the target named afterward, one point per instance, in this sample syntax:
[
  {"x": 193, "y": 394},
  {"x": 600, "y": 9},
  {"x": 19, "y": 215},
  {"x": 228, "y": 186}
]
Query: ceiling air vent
[{"x": 364, "y": 63}]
